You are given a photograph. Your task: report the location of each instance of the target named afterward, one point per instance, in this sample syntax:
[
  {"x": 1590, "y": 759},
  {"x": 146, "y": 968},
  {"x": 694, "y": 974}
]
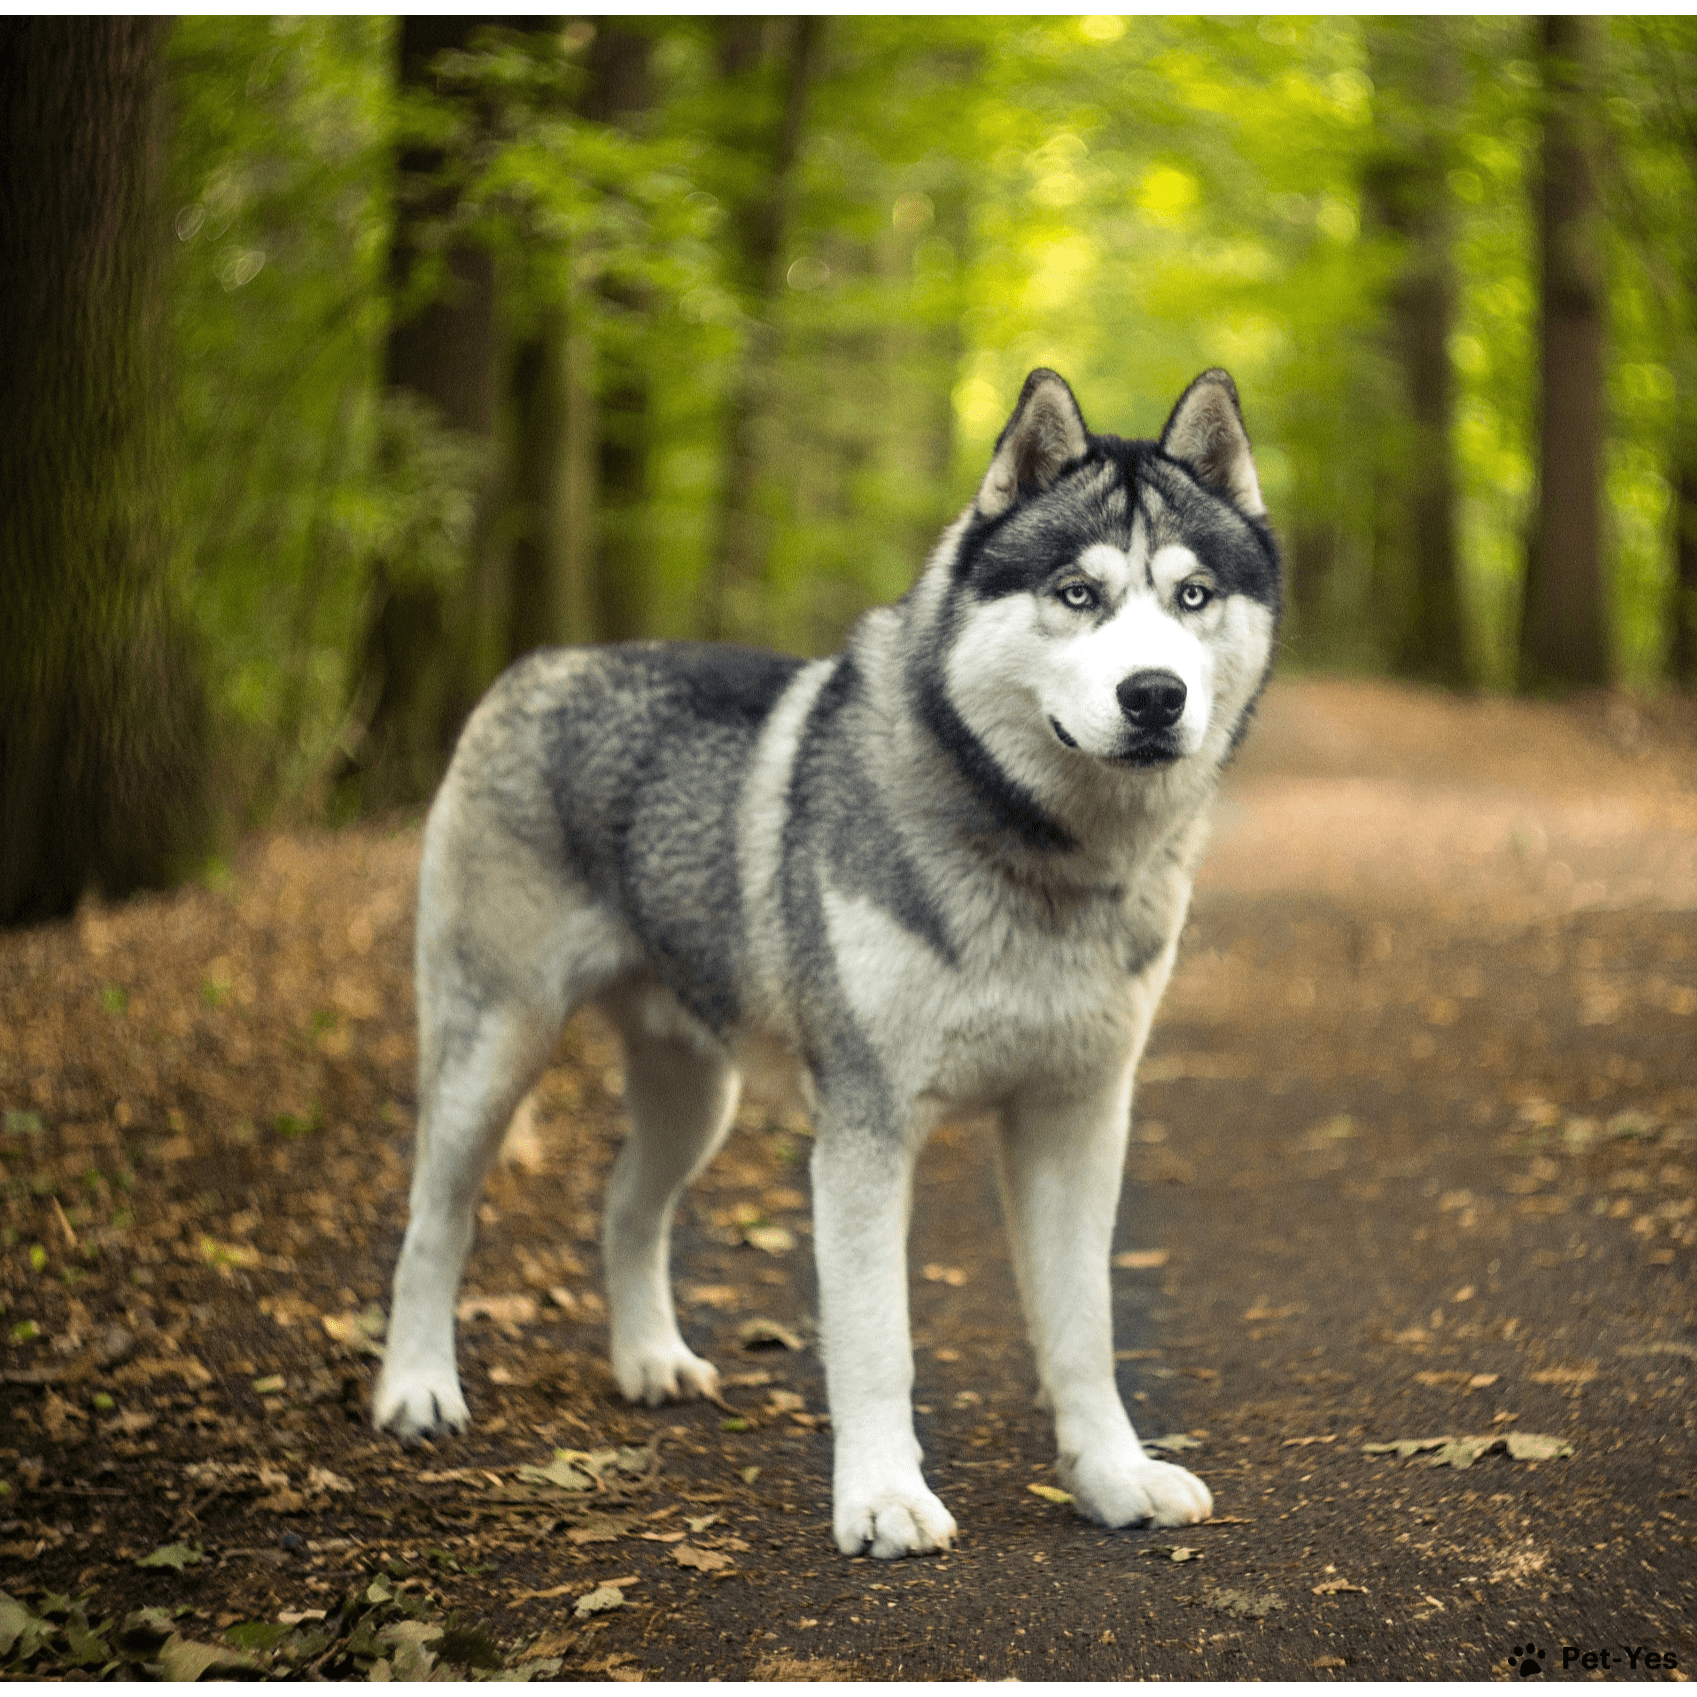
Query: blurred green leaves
[{"x": 1127, "y": 200}]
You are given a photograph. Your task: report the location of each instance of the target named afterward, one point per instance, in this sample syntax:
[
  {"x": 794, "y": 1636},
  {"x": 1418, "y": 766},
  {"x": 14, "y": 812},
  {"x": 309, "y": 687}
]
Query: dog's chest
[{"x": 1023, "y": 999}]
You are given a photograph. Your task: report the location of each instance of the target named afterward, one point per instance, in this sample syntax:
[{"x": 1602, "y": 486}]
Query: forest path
[{"x": 1413, "y": 1157}]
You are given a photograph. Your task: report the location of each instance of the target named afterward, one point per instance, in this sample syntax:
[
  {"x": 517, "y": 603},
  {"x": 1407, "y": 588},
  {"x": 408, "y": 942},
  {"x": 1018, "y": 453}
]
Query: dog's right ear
[
  {"x": 1045, "y": 433},
  {"x": 1206, "y": 432}
]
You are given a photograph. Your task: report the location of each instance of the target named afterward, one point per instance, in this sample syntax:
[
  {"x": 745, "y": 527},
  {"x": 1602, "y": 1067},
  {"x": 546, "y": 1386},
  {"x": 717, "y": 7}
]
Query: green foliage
[
  {"x": 1128, "y": 200},
  {"x": 280, "y": 177}
]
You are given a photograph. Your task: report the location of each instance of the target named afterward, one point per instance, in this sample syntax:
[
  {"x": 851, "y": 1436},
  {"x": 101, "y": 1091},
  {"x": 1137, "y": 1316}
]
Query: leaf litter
[
  {"x": 1463, "y": 1452},
  {"x": 375, "y": 1632}
]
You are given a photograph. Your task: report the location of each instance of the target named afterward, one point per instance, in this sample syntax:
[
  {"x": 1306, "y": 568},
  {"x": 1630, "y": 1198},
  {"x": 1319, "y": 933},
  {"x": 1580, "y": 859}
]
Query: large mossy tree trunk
[
  {"x": 768, "y": 64},
  {"x": 1414, "y": 61},
  {"x": 103, "y": 725},
  {"x": 1564, "y": 637},
  {"x": 442, "y": 351}
]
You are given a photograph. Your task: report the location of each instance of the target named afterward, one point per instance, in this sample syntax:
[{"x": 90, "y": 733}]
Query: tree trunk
[
  {"x": 1564, "y": 637},
  {"x": 103, "y": 727},
  {"x": 1413, "y": 62},
  {"x": 736, "y": 571},
  {"x": 620, "y": 90},
  {"x": 1682, "y": 658},
  {"x": 442, "y": 351}
]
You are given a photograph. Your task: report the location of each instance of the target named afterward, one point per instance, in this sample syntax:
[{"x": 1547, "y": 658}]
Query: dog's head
[{"x": 1117, "y": 597}]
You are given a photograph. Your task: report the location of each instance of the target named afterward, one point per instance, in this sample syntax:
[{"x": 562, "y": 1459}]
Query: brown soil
[{"x": 1414, "y": 1157}]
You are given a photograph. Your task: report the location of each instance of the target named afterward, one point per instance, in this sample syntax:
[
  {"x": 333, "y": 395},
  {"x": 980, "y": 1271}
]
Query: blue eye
[
  {"x": 1079, "y": 596},
  {"x": 1193, "y": 597}
]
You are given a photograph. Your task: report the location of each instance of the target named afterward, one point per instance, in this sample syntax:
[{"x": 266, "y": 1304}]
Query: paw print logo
[{"x": 1526, "y": 1660}]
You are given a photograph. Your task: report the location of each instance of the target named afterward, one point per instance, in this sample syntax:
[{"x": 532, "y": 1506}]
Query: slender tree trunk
[
  {"x": 443, "y": 352},
  {"x": 620, "y": 91},
  {"x": 1564, "y": 630},
  {"x": 103, "y": 729},
  {"x": 1682, "y": 658},
  {"x": 580, "y": 414},
  {"x": 737, "y": 568},
  {"x": 1413, "y": 61},
  {"x": 1312, "y": 557},
  {"x": 539, "y": 591}
]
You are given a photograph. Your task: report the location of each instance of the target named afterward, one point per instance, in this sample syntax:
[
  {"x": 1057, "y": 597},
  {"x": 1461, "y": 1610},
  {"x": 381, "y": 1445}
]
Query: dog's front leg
[
  {"x": 1060, "y": 1169},
  {"x": 861, "y": 1189}
]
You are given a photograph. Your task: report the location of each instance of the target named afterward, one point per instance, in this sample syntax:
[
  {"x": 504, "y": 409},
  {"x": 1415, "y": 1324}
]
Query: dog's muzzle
[
  {"x": 1152, "y": 700},
  {"x": 1153, "y": 703}
]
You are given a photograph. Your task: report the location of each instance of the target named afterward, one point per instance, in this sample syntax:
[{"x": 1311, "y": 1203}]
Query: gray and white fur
[{"x": 942, "y": 872}]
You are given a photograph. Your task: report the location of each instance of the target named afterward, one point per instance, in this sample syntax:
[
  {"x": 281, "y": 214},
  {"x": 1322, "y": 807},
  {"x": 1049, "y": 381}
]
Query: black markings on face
[
  {"x": 1005, "y": 804},
  {"x": 1031, "y": 547}
]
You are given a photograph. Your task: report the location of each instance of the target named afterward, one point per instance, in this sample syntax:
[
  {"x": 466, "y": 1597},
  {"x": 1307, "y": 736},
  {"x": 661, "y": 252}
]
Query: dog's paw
[
  {"x": 664, "y": 1373},
  {"x": 1137, "y": 1491},
  {"x": 898, "y": 1519},
  {"x": 419, "y": 1404}
]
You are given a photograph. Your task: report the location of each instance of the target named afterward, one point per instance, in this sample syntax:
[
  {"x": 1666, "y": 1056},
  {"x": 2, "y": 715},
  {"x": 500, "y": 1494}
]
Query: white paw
[
  {"x": 1133, "y": 1491},
  {"x": 894, "y": 1518},
  {"x": 419, "y": 1402},
  {"x": 664, "y": 1372}
]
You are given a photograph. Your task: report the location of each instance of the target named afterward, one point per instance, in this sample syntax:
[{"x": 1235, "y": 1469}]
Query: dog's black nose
[{"x": 1152, "y": 701}]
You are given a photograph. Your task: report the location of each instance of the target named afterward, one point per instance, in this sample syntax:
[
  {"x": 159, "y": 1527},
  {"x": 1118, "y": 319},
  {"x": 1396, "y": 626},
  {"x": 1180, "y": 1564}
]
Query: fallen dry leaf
[
  {"x": 555, "y": 1643},
  {"x": 1331, "y": 1587},
  {"x": 601, "y": 1600},
  {"x": 1582, "y": 1374},
  {"x": 359, "y": 1332},
  {"x": 1536, "y": 1446},
  {"x": 1050, "y": 1493},
  {"x": 713, "y": 1296},
  {"x": 515, "y": 1310},
  {"x": 1140, "y": 1260},
  {"x": 762, "y": 1333},
  {"x": 703, "y": 1561}
]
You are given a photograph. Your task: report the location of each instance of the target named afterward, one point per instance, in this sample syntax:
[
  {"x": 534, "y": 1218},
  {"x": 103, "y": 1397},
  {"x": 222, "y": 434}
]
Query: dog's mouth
[{"x": 1159, "y": 748}]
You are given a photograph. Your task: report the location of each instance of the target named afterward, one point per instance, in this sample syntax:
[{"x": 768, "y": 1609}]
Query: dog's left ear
[
  {"x": 1206, "y": 432},
  {"x": 1045, "y": 433}
]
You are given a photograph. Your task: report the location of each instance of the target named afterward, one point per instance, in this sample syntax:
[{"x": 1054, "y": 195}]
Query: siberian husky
[{"x": 943, "y": 872}]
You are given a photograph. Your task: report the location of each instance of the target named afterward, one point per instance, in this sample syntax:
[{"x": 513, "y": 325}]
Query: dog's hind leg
[
  {"x": 1060, "y": 1173},
  {"x": 489, "y": 1060},
  {"x": 681, "y": 1089},
  {"x": 506, "y": 948}
]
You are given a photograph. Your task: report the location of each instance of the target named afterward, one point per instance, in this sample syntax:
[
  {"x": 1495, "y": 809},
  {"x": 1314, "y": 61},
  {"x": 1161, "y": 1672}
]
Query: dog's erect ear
[
  {"x": 1206, "y": 432},
  {"x": 1045, "y": 432}
]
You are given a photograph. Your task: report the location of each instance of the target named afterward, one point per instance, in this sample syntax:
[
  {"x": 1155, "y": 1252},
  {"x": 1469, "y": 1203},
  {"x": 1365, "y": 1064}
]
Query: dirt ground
[{"x": 1413, "y": 1159}]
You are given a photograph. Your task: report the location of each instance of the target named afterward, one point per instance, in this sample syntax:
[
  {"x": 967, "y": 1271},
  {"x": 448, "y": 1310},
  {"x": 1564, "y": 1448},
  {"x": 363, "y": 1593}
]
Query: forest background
[{"x": 366, "y": 354}]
